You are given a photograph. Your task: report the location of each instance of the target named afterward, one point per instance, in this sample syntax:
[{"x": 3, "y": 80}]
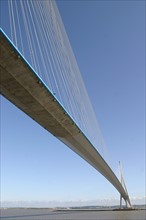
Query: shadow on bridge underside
[{"x": 23, "y": 87}]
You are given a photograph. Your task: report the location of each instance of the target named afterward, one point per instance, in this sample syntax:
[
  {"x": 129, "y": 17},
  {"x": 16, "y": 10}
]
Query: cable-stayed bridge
[{"x": 39, "y": 74}]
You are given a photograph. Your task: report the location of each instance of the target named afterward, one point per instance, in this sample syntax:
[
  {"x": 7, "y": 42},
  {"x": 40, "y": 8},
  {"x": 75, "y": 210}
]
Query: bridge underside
[{"x": 21, "y": 85}]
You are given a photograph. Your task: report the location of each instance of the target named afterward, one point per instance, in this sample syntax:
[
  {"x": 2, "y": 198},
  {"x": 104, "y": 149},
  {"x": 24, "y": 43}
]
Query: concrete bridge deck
[{"x": 21, "y": 85}]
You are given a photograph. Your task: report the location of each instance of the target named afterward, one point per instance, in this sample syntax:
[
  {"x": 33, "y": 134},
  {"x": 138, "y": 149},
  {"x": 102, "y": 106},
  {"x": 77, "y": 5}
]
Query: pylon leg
[
  {"x": 120, "y": 202},
  {"x": 126, "y": 204}
]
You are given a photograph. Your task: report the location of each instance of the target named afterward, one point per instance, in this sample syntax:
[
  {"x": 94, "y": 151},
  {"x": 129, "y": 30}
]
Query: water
[{"x": 47, "y": 214}]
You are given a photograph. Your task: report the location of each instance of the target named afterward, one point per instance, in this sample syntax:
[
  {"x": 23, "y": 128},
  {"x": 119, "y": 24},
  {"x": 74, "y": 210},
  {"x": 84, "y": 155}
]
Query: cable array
[{"x": 37, "y": 30}]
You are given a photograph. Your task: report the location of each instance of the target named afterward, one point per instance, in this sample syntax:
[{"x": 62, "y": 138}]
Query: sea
[{"x": 51, "y": 214}]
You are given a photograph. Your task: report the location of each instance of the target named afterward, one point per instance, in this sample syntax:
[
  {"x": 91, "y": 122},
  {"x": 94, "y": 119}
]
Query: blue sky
[{"x": 108, "y": 40}]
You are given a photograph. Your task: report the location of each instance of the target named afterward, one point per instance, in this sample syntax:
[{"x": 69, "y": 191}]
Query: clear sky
[{"x": 108, "y": 40}]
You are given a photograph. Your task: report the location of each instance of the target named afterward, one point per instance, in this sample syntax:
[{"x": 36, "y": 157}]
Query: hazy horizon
[{"x": 72, "y": 203}]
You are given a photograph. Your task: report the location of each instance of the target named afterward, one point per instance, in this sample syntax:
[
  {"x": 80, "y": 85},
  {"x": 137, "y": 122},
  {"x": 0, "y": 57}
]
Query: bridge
[{"x": 23, "y": 86}]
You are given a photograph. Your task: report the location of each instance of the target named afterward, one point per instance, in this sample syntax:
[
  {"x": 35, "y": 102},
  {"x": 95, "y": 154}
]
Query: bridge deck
[{"x": 21, "y": 85}]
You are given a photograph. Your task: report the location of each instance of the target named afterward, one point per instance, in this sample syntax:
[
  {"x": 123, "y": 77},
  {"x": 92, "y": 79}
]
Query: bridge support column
[
  {"x": 120, "y": 202},
  {"x": 127, "y": 204}
]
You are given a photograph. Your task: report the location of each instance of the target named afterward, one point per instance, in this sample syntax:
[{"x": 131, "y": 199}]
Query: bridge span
[{"x": 21, "y": 85}]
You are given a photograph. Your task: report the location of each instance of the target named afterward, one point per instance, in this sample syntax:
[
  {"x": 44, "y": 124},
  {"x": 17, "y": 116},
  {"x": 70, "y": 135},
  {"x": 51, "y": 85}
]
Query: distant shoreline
[{"x": 82, "y": 208}]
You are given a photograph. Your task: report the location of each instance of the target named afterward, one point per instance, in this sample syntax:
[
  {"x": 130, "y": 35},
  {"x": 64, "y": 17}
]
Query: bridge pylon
[{"x": 127, "y": 201}]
